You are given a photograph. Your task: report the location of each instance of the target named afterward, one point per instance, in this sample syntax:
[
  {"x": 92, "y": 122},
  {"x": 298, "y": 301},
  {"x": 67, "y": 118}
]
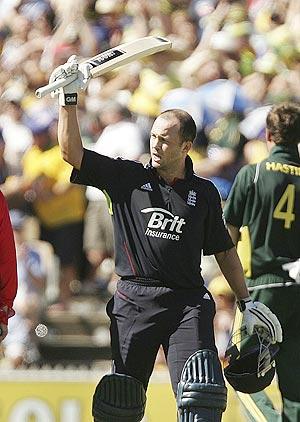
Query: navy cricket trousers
[{"x": 145, "y": 317}]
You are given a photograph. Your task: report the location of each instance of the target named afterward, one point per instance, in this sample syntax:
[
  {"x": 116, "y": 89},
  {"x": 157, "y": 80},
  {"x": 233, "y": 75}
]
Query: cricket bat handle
[{"x": 44, "y": 90}]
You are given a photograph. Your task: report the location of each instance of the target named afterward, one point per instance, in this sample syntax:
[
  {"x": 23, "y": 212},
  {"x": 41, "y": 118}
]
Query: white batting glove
[
  {"x": 68, "y": 94},
  {"x": 256, "y": 314},
  {"x": 293, "y": 269}
]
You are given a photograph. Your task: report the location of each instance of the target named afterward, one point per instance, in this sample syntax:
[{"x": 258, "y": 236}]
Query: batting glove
[
  {"x": 67, "y": 95},
  {"x": 294, "y": 269},
  {"x": 256, "y": 314}
]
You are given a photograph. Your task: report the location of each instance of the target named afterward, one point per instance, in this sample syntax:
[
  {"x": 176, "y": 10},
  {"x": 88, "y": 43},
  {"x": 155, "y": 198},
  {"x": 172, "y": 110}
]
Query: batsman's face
[{"x": 166, "y": 147}]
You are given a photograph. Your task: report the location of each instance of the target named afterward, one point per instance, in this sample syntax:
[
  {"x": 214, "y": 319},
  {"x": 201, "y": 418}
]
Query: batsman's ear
[{"x": 187, "y": 145}]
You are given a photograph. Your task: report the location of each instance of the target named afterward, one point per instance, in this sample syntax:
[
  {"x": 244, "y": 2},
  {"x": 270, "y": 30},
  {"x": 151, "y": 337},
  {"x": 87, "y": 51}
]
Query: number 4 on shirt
[{"x": 285, "y": 207}]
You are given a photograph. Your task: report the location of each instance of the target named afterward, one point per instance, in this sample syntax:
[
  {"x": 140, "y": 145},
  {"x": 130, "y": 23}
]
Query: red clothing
[{"x": 8, "y": 263}]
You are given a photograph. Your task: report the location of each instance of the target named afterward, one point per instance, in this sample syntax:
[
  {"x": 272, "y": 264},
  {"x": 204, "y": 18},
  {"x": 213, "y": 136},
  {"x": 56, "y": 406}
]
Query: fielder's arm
[
  {"x": 232, "y": 270},
  {"x": 69, "y": 137}
]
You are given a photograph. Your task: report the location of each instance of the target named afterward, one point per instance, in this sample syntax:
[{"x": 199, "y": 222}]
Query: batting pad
[{"x": 119, "y": 398}]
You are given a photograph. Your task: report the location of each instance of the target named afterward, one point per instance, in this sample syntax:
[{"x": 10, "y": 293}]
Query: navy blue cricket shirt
[{"x": 160, "y": 230}]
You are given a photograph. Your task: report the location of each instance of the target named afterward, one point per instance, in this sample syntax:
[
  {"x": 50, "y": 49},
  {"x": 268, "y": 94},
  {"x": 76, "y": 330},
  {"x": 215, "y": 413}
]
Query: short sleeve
[
  {"x": 217, "y": 238},
  {"x": 235, "y": 204},
  {"x": 103, "y": 172}
]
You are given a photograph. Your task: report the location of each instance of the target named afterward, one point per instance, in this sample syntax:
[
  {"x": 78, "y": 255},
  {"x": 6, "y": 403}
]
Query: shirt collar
[
  {"x": 189, "y": 171},
  {"x": 285, "y": 151}
]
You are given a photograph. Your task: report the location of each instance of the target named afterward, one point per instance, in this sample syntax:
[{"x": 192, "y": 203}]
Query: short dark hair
[
  {"x": 283, "y": 122},
  {"x": 188, "y": 129}
]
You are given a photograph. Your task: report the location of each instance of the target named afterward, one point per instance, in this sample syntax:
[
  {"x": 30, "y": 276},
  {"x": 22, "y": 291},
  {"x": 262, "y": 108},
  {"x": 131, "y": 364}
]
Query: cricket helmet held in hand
[{"x": 250, "y": 360}]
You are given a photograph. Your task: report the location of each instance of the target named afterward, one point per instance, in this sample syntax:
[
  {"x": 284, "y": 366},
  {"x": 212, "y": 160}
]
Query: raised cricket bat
[{"x": 113, "y": 58}]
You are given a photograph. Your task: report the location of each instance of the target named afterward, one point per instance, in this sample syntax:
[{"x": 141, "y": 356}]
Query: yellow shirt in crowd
[{"x": 58, "y": 202}]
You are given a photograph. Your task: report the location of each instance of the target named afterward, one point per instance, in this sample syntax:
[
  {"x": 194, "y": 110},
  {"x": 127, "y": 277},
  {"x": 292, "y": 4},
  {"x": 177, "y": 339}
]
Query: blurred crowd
[{"x": 231, "y": 59}]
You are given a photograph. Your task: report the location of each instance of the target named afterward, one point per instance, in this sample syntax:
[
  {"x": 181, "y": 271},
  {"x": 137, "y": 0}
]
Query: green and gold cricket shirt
[
  {"x": 264, "y": 203},
  {"x": 160, "y": 230}
]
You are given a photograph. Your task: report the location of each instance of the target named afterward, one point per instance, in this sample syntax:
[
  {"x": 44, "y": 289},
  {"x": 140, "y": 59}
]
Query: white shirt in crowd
[{"x": 122, "y": 139}]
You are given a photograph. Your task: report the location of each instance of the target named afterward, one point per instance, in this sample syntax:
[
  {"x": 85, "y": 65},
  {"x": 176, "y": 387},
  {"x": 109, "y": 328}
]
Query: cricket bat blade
[{"x": 112, "y": 59}]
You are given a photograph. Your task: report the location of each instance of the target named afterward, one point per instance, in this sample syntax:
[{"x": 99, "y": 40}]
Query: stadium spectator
[
  {"x": 59, "y": 206},
  {"x": 20, "y": 345},
  {"x": 8, "y": 268},
  {"x": 13, "y": 127}
]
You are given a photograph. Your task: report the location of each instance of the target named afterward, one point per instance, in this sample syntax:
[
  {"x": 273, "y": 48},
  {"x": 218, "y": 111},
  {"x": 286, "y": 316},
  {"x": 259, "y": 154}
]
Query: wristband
[
  {"x": 71, "y": 99},
  {"x": 241, "y": 304}
]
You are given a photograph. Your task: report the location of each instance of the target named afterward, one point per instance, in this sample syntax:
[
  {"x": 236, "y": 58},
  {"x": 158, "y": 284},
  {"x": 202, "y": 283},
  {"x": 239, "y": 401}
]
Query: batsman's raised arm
[
  {"x": 69, "y": 137},
  {"x": 68, "y": 129}
]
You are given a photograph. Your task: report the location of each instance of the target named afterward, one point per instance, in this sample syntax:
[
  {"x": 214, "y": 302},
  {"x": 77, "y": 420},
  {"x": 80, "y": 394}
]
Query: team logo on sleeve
[
  {"x": 147, "y": 186},
  {"x": 192, "y": 198},
  {"x": 163, "y": 224}
]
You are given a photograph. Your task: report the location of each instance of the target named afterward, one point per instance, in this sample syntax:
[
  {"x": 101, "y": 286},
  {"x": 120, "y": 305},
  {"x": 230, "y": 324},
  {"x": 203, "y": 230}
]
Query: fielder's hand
[
  {"x": 256, "y": 314},
  {"x": 68, "y": 94},
  {"x": 294, "y": 269}
]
